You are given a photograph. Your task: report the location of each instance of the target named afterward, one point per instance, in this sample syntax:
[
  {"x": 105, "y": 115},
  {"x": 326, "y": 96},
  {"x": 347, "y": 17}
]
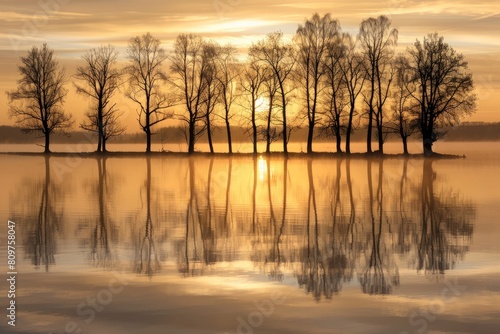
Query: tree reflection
[
  {"x": 200, "y": 228},
  {"x": 406, "y": 227},
  {"x": 104, "y": 231},
  {"x": 326, "y": 260},
  {"x": 146, "y": 253},
  {"x": 334, "y": 247},
  {"x": 268, "y": 237},
  {"x": 41, "y": 240},
  {"x": 342, "y": 244},
  {"x": 380, "y": 273},
  {"x": 321, "y": 220},
  {"x": 275, "y": 258},
  {"x": 446, "y": 229},
  {"x": 313, "y": 276},
  {"x": 369, "y": 226}
]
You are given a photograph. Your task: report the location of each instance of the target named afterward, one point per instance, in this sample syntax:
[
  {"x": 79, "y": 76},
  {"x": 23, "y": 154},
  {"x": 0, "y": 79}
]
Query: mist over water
[{"x": 330, "y": 234}]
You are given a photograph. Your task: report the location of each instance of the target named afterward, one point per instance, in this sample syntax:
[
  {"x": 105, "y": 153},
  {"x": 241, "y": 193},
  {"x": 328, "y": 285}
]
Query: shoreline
[{"x": 133, "y": 154}]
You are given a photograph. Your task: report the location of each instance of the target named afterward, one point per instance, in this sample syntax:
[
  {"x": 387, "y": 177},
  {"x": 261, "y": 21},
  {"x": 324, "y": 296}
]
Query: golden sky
[{"x": 73, "y": 26}]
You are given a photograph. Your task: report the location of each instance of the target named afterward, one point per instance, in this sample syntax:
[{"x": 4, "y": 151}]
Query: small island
[{"x": 326, "y": 81}]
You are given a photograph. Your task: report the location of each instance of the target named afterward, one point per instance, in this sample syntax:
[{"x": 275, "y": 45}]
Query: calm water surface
[{"x": 254, "y": 245}]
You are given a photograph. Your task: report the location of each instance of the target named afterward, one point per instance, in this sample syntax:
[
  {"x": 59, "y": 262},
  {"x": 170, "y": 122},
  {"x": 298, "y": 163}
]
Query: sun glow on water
[{"x": 262, "y": 168}]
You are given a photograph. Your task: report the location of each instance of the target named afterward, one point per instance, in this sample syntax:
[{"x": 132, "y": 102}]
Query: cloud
[{"x": 73, "y": 27}]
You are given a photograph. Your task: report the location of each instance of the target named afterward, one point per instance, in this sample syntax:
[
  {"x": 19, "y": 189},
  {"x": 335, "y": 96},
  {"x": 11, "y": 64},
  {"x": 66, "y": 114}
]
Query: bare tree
[
  {"x": 402, "y": 123},
  {"x": 188, "y": 69},
  {"x": 146, "y": 77},
  {"x": 313, "y": 40},
  {"x": 212, "y": 90},
  {"x": 271, "y": 87},
  {"x": 279, "y": 57},
  {"x": 377, "y": 41},
  {"x": 37, "y": 102},
  {"x": 353, "y": 72},
  {"x": 335, "y": 99},
  {"x": 227, "y": 78},
  {"x": 445, "y": 89},
  {"x": 251, "y": 85},
  {"x": 100, "y": 79}
]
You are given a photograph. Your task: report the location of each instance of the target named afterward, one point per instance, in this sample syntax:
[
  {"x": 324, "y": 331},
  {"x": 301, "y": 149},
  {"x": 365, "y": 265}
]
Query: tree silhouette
[
  {"x": 352, "y": 68},
  {"x": 444, "y": 86},
  {"x": 37, "y": 102},
  {"x": 314, "y": 39},
  {"x": 251, "y": 84},
  {"x": 227, "y": 76},
  {"x": 377, "y": 41},
  {"x": 402, "y": 124},
  {"x": 212, "y": 92},
  {"x": 279, "y": 58},
  {"x": 336, "y": 99},
  {"x": 189, "y": 67},
  {"x": 146, "y": 78},
  {"x": 100, "y": 79},
  {"x": 269, "y": 131}
]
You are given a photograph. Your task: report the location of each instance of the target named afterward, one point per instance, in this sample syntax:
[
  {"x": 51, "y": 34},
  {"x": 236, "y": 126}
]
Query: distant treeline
[{"x": 468, "y": 131}]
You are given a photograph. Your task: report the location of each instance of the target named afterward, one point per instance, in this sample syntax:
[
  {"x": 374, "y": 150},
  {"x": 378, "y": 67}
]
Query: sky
[{"x": 71, "y": 27}]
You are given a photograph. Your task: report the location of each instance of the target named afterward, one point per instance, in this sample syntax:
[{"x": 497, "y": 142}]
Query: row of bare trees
[{"x": 337, "y": 83}]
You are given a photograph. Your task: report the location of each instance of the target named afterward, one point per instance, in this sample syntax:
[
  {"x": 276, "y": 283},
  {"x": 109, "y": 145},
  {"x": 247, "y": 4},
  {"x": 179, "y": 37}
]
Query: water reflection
[
  {"x": 379, "y": 273},
  {"x": 41, "y": 220},
  {"x": 326, "y": 261},
  {"x": 147, "y": 254},
  {"x": 103, "y": 234},
  {"x": 446, "y": 227},
  {"x": 323, "y": 222}
]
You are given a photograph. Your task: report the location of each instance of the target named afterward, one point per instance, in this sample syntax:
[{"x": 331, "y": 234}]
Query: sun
[{"x": 261, "y": 104}]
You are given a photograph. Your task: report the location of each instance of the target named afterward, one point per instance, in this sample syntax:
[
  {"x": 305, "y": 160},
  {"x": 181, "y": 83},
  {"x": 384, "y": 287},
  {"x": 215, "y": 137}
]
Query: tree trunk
[
  {"x": 370, "y": 111},
  {"x": 348, "y": 132},
  {"x": 100, "y": 130},
  {"x": 310, "y": 135},
  {"x": 147, "y": 129},
  {"x": 209, "y": 134},
  {"x": 405, "y": 144},
  {"x": 99, "y": 142},
  {"x": 254, "y": 128},
  {"x": 104, "y": 144},
  {"x": 268, "y": 133},
  {"x": 47, "y": 142},
  {"x": 380, "y": 139},
  {"x": 283, "y": 101},
  {"x": 427, "y": 137},
  {"x": 339, "y": 141},
  {"x": 148, "y": 141},
  {"x": 229, "y": 141},
  {"x": 427, "y": 143},
  {"x": 191, "y": 137},
  {"x": 369, "y": 133},
  {"x": 285, "y": 139}
]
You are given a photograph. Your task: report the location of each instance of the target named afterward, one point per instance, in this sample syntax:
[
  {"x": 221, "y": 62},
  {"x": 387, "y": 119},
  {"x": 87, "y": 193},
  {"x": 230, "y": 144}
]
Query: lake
[{"x": 243, "y": 244}]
